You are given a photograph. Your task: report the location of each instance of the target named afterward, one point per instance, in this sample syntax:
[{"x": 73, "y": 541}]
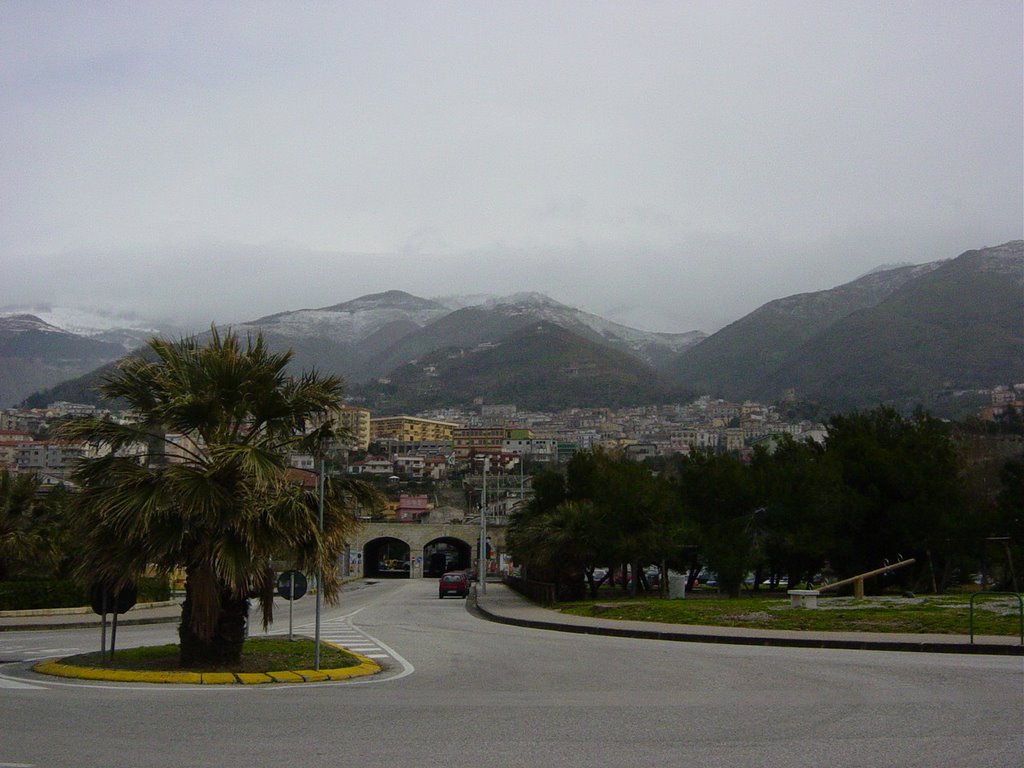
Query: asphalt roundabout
[{"x": 59, "y": 668}]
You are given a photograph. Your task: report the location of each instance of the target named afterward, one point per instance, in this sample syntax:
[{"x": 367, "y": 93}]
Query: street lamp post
[
  {"x": 482, "y": 558},
  {"x": 319, "y": 579}
]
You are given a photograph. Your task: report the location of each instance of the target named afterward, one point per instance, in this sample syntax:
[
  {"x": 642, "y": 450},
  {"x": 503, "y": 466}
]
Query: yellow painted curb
[
  {"x": 253, "y": 678},
  {"x": 313, "y": 676},
  {"x": 58, "y": 669},
  {"x": 366, "y": 668},
  {"x": 219, "y": 678},
  {"x": 286, "y": 677}
]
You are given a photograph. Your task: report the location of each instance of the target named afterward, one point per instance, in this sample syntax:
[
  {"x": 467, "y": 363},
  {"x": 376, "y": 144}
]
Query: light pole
[
  {"x": 522, "y": 479},
  {"x": 482, "y": 557},
  {"x": 319, "y": 580}
]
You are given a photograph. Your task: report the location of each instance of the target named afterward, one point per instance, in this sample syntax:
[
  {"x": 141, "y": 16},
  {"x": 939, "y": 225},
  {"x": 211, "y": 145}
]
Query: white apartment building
[{"x": 536, "y": 449}]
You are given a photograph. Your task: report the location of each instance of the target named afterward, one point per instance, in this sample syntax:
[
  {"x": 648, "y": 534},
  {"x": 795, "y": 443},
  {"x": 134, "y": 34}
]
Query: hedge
[{"x": 26, "y": 595}]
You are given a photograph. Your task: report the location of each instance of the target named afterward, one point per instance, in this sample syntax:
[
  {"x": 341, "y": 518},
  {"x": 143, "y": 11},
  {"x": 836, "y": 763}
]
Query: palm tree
[
  {"x": 557, "y": 545},
  {"x": 21, "y": 540},
  {"x": 200, "y": 481}
]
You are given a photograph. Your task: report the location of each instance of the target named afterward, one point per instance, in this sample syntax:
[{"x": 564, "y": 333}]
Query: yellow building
[
  {"x": 355, "y": 423},
  {"x": 410, "y": 429}
]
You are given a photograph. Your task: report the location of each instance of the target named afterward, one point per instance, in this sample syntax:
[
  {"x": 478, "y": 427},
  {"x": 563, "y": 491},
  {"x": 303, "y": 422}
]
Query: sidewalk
[
  {"x": 501, "y": 604},
  {"x": 84, "y": 618}
]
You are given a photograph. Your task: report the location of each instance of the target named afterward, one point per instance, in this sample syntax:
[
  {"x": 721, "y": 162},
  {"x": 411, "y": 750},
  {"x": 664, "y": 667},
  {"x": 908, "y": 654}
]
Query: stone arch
[
  {"x": 446, "y": 553},
  {"x": 386, "y": 557}
]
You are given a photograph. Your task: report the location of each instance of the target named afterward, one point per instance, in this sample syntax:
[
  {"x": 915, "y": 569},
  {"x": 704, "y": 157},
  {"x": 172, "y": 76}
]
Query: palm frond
[{"x": 222, "y": 505}]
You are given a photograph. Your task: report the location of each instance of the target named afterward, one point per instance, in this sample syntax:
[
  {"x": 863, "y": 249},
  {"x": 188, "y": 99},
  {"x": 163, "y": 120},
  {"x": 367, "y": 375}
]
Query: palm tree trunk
[{"x": 213, "y": 622}]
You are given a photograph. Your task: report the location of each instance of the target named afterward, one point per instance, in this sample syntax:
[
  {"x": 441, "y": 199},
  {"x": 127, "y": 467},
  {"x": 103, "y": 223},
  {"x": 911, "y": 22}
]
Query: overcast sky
[{"x": 670, "y": 165}]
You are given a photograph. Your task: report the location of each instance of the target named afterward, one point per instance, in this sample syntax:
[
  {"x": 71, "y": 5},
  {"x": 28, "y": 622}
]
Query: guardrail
[
  {"x": 1020, "y": 601},
  {"x": 538, "y": 591}
]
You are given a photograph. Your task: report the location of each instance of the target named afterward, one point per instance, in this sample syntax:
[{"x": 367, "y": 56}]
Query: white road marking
[
  {"x": 11, "y": 683},
  {"x": 342, "y": 631},
  {"x": 7, "y": 683}
]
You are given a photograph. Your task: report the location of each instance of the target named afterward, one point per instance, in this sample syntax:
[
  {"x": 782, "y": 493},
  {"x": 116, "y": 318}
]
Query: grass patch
[
  {"x": 259, "y": 654},
  {"x": 942, "y": 615}
]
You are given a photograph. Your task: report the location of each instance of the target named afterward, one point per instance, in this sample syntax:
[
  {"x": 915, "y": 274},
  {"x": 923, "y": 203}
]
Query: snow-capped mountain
[
  {"x": 129, "y": 331},
  {"x": 36, "y": 354},
  {"x": 461, "y": 301},
  {"x": 895, "y": 335},
  {"x": 353, "y": 321},
  {"x": 369, "y": 336},
  {"x": 647, "y": 345},
  {"x": 498, "y": 318},
  {"x": 17, "y": 324},
  {"x": 912, "y": 335},
  {"x": 361, "y": 339}
]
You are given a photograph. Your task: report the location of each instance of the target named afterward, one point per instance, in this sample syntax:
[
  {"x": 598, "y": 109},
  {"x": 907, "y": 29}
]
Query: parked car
[
  {"x": 710, "y": 578},
  {"x": 453, "y": 583},
  {"x": 653, "y": 575}
]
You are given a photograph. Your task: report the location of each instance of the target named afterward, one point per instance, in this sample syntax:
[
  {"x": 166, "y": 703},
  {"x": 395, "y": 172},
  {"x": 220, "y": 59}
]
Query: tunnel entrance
[
  {"x": 446, "y": 554},
  {"x": 386, "y": 558}
]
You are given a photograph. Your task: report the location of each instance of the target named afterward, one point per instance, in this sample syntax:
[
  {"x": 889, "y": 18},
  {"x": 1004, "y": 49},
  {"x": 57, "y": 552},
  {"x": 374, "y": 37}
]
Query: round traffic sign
[
  {"x": 103, "y": 599},
  {"x": 285, "y": 585}
]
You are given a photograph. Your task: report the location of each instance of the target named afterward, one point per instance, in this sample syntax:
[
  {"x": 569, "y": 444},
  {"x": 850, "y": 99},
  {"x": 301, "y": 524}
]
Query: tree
[
  {"x": 558, "y": 545},
  {"x": 637, "y": 519},
  {"x": 1011, "y": 522},
  {"x": 717, "y": 494},
  {"x": 548, "y": 491},
  {"x": 605, "y": 510},
  {"x": 798, "y": 489},
  {"x": 201, "y": 482},
  {"x": 21, "y": 539},
  {"x": 901, "y": 491}
]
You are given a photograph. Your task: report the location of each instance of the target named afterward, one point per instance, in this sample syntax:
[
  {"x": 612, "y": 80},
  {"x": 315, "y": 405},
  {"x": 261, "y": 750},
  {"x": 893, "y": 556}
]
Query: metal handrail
[
  {"x": 538, "y": 591},
  {"x": 1020, "y": 600}
]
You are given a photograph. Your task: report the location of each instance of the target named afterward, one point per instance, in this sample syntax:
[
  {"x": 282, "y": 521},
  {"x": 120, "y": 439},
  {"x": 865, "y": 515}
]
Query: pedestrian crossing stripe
[{"x": 342, "y": 632}]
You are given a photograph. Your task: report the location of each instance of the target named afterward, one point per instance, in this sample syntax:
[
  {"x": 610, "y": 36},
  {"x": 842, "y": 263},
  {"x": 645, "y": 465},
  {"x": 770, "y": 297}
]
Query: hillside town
[
  {"x": 431, "y": 446},
  {"x": 425, "y": 445}
]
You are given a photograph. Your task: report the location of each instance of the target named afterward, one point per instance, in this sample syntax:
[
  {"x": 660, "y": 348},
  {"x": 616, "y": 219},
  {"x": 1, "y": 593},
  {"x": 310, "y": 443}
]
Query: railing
[
  {"x": 393, "y": 521},
  {"x": 538, "y": 591},
  {"x": 1020, "y": 601}
]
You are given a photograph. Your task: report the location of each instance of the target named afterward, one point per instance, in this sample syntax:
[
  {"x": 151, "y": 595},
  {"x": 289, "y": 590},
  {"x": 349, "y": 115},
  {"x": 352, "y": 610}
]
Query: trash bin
[{"x": 676, "y": 586}]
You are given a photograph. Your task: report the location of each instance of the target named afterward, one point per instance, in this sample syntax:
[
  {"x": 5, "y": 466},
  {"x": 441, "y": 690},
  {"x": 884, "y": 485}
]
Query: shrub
[
  {"x": 52, "y": 593},
  {"x": 25, "y": 595}
]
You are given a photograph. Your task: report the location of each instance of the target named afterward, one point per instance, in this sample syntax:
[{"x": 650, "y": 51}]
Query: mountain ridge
[
  {"x": 542, "y": 365},
  {"x": 892, "y": 335},
  {"x": 901, "y": 340},
  {"x": 368, "y": 337},
  {"x": 33, "y": 352}
]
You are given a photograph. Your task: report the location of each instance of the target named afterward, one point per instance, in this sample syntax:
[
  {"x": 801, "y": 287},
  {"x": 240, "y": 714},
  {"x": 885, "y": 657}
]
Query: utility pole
[
  {"x": 482, "y": 558},
  {"x": 319, "y": 580},
  {"x": 522, "y": 479}
]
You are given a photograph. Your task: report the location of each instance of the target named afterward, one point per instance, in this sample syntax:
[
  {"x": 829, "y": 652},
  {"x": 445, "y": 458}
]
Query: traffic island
[{"x": 82, "y": 668}]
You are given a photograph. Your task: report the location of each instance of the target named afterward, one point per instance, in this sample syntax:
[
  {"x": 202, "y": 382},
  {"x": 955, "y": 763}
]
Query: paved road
[{"x": 459, "y": 691}]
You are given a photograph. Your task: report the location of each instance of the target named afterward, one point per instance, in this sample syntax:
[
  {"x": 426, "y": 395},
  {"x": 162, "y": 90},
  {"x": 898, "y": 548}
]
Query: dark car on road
[{"x": 453, "y": 583}]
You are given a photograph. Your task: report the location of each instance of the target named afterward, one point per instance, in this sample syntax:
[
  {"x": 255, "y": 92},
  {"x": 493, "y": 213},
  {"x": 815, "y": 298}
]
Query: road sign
[
  {"x": 104, "y": 599},
  {"x": 291, "y": 585}
]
